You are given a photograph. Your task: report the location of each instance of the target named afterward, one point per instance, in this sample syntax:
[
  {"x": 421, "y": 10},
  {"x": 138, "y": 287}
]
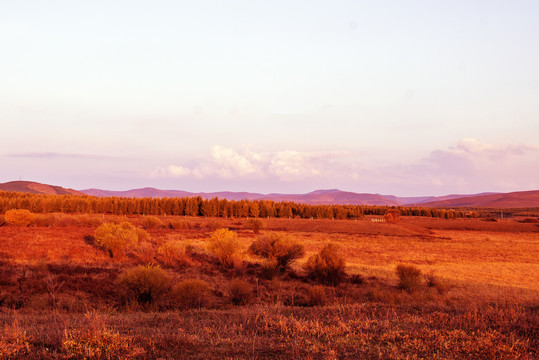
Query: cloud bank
[{"x": 467, "y": 166}]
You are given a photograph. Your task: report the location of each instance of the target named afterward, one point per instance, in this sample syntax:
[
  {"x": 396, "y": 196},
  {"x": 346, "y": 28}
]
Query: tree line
[{"x": 197, "y": 206}]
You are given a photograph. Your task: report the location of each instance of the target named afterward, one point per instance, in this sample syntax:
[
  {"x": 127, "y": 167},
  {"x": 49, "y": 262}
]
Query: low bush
[
  {"x": 269, "y": 269},
  {"x": 145, "y": 283},
  {"x": 19, "y": 217},
  {"x": 173, "y": 253},
  {"x": 151, "y": 222},
  {"x": 240, "y": 292},
  {"x": 409, "y": 277},
  {"x": 191, "y": 293},
  {"x": 142, "y": 234},
  {"x": 392, "y": 216},
  {"x": 180, "y": 225},
  {"x": 225, "y": 245},
  {"x": 65, "y": 220},
  {"x": 280, "y": 247},
  {"x": 328, "y": 266},
  {"x": 46, "y": 220},
  {"x": 213, "y": 225},
  {"x": 255, "y": 225},
  {"x": 144, "y": 253},
  {"x": 117, "y": 237}
]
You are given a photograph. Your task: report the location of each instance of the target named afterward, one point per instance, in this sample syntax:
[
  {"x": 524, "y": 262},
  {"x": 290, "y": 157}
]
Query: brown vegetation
[
  {"x": 117, "y": 237},
  {"x": 224, "y": 244},
  {"x": 328, "y": 266},
  {"x": 19, "y": 217},
  {"x": 278, "y": 248},
  {"x": 62, "y": 296},
  {"x": 145, "y": 283}
]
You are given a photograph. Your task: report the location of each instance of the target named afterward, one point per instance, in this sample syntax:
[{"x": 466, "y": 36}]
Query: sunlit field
[{"x": 477, "y": 296}]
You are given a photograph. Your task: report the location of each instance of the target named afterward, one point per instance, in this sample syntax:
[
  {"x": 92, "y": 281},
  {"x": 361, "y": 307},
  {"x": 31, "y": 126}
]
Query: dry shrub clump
[
  {"x": 191, "y": 293},
  {"x": 224, "y": 244},
  {"x": 144, "y": 253},
  {"x": 145, "y": 283},
  {"x": 392, "y": 216},
  {"x": 118, "y": 237},
  {"x": 173, "y": 253},
  {"x": 19, "y": 217},
  {"x": 409, "y": 277},
  {"x": 151, "y": 222},
  {"x": 269, "y": 269},
  {"x": 328, "y": 266},
  {"x": 280, "y": 248},
  {"x": 240, "y": 292},
  {"x": 255, "y": 225},
  {"x": 180, "y": 225},
  {"x": 213, "y": 225},
  {"x": 46, "y": 220}
]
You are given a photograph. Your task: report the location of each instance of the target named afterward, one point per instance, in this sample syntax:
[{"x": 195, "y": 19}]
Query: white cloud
[
  {"x": 466, "y": 167},
  {"x": 175, "y": 170},
  {"x": 230, "y": 163},
  {"x": 287, "y": 165},
  {"x": 473, "y": 146}
]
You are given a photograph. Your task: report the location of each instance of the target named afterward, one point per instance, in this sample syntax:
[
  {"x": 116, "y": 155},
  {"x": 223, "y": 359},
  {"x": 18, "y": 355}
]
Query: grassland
[{"x": 60, "y": 298}]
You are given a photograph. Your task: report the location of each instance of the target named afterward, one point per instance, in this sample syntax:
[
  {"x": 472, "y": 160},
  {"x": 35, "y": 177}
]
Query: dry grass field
[{"x": 478, "y": 297}]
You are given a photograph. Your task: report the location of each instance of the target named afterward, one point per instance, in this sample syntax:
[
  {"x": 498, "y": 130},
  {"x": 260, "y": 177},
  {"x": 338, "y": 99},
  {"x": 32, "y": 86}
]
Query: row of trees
[{"x": 197, "y": 206}]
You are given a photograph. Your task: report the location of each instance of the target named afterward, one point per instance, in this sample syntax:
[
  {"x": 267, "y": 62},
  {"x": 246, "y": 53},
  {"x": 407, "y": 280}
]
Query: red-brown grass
[{"x": 60, "y": 297}]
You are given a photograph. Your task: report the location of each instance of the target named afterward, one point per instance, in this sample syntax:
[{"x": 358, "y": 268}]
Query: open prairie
[{"x": 62, "y": 295}]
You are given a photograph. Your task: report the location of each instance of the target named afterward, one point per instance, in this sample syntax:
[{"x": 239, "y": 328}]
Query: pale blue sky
[{"x": 402, "y": 97}]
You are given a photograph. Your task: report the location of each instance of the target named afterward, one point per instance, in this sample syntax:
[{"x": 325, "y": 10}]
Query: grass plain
[{"x": 60, "y": 298}]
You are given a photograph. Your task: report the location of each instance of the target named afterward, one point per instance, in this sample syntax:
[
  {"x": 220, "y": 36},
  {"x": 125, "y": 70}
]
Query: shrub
[
  {"x": 90, "y": 221},
  {"x": 144, "y": 253},
  {"x": 409, "y": 277},
  {"x": 279, "y": 247},
  {"x": 224, "y": 244},
  {"x": 117, "y": 237},
  {"x": 174, "y": 253},
  {"x": 254, "y": 224},
  {"x": 46, "y": 220},
  {"x": 151, "y": 222},
  {"x": 180, "y": 225},
  {"x": 65, "y": 220},
  {"x": 392, "y": 216},
  {"x": 191, "y": 293},
  {"x": 328, "y": 266},
  {"x": 19, "y": 217},
  {"x": 213, "y": 225},
  {"x": 146, "y": 283},
  {"x": 317, "y": 296},
  {"x": 142, "y": 234},
  {"x": 240, "y": 292},
  {"x": 269, "y": 269}
]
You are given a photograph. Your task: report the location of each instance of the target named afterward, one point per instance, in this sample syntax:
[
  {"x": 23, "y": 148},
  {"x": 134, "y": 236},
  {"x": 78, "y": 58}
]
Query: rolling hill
[
  {"x": 37, "y": 188},
  {"x": 519, "y": 199}
]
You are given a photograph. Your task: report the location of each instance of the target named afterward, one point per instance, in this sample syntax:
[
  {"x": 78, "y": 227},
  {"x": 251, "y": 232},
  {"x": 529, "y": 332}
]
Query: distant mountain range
[{"x": 318, "y": 197}]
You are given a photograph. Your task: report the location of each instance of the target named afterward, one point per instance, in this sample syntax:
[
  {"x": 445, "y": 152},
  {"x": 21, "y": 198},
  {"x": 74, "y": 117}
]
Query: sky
[{"x": 403, "y": 97}]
